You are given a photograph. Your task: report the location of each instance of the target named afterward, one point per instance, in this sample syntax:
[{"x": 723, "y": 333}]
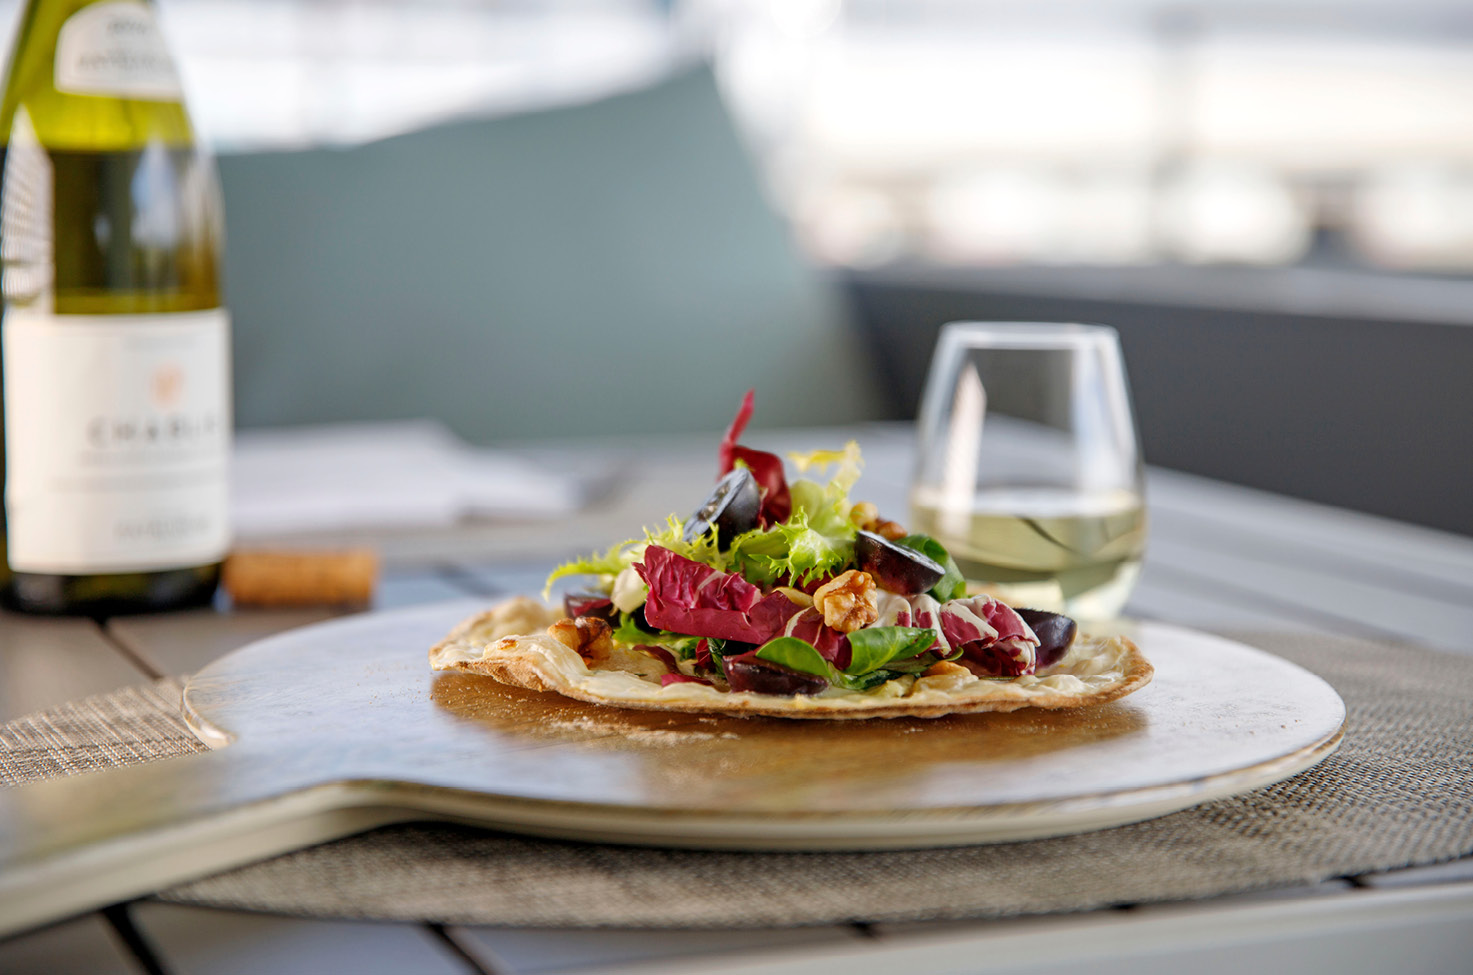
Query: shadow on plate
[{"x": 701, "y": 760}]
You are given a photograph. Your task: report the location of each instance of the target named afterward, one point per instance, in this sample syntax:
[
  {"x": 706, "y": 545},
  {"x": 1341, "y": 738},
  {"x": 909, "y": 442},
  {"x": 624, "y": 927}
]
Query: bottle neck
[
  {"x": 49, "y": 15},
  {"x": 93, "y": 75}
]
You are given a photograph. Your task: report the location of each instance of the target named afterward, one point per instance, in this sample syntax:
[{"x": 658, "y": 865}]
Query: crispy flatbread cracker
[{"x": 510, "y": 643}]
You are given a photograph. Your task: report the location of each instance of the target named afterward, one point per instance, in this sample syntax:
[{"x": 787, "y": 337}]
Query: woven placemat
[{"x": 1398, "y": 792}]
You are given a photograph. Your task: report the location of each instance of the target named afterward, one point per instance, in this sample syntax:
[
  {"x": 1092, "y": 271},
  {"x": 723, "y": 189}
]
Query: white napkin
[{"x": 409, "y": 474}]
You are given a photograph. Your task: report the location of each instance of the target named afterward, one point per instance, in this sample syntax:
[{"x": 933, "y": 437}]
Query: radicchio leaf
[
  {"x": 990, "y": 634},
  {"x": 995, "y": 659},
  {"x": 767, "y": 469},
  {"x": 695, "y": 599}
]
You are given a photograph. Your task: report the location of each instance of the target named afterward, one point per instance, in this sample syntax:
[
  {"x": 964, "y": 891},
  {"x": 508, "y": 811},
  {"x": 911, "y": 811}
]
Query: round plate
[{"x": 352, "y": 704}]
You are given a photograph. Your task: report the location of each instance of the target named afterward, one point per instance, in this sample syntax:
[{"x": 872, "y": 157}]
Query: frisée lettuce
[{"x": 607, "y": 565}]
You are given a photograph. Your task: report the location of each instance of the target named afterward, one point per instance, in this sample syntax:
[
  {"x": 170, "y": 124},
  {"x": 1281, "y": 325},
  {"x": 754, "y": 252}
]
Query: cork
[{"x": 301, "y": 577}]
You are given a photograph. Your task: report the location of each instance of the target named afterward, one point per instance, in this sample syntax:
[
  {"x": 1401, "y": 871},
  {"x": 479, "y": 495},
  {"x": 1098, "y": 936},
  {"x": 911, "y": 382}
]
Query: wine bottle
[{"x": 114, "y": 345}]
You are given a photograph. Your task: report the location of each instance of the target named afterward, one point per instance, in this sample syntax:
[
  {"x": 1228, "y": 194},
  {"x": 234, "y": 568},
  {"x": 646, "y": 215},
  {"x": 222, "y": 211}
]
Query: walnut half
[
  {"x": 588, "y": 636},
  {"x": 847, "y": 601}
]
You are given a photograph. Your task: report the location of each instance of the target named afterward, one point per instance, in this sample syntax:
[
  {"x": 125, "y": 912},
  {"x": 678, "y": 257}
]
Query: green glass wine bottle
[{"x": 114, "y": 345}]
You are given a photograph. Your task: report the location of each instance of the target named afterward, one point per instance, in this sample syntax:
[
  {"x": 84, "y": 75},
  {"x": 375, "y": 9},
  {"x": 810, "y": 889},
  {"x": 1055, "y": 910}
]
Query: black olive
[
  {"x": 894, "y": 567},
  {"x": 732, "y": 508},
  {"x": 586, "y": 603},
  {"x": 1054, "y": 631},
  {"x": 750, "y": 673}
]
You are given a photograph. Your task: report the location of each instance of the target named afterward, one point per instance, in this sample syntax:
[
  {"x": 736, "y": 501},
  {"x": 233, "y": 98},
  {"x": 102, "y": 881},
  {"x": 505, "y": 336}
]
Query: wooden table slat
[
  {"x": 410, "y": 589},
  {"x": 200, "y": 941},
  {"x": 1332, "y": 561},
  {"x": 1164, "y": 595},
  {"x": 507, "y": 580},
  {"x": 1451, "y": 872},
  {"x": 1424, "y": 933},
  {"x": 1296, "y": 522},
  {"x": 1382, "y": 613},
  {"x": 522, "y": 951},
  {"x": 87, "y": 944},
  {"x": 46, "y": 662},
  {"x": 181, "y": 643}
]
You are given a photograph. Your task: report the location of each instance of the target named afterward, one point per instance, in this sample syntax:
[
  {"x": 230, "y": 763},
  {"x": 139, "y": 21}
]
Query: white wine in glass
[
  {"x": 115, "y": 353},
  {"x": 1044, "y": 550}
]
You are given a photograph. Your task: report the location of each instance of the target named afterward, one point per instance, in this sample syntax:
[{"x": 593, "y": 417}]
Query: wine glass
[{"x": 1029, "y": 469}]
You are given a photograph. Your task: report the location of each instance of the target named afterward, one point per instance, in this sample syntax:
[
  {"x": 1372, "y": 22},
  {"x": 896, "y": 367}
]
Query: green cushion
[{"x": 611, "y": 267}]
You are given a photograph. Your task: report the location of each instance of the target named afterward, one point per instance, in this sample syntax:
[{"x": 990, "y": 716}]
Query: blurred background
[
  {"x": 1328, "y": 133},
  {"x": 588, "y": 217}
]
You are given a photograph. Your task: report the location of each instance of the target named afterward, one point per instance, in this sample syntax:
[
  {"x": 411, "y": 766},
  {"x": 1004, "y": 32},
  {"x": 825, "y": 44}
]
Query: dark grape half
[
  {"x": 732, "y": 509},
  {"x": 750, "y": 673},
  {"x": 894, "y": 567},
  {"x": 1054, "y": 631}
]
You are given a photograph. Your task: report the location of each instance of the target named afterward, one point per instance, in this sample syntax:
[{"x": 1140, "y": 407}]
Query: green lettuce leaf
[
  {"x": 800, "y": 655},
  {"x": 609, "y": 564},
  {"x": 952, "y": 585},
  {"x": 865, "y": 681},
  {"x": 878, "y": 646},
  {"x": 628, "y": 632},
  {"x": 605, "y": 564},
  {"x": 817, "y": 540},
  {"x": 791, "y": 550},
  {"x": 796, "y": 654}
]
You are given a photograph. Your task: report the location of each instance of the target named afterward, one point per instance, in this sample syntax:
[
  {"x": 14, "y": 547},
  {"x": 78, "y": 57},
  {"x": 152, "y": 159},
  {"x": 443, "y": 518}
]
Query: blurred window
[
  {"x": 1113, "y": 132},
  {"x": 288, "y": 73},
  {"x": 971, "y": 132}
]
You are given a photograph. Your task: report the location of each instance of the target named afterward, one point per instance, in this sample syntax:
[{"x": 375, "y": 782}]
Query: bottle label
[
  {"x": 117, "y": 439},
  {"x": 115, "y": 48}
]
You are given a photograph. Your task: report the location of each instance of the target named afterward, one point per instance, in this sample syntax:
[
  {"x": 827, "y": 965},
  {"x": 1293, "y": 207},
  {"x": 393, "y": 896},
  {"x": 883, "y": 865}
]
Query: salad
[{"x": 779, "y": 587}]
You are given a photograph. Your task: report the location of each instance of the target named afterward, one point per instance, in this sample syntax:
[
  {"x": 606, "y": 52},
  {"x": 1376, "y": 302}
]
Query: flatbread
[{"x": 509, "y": 642}]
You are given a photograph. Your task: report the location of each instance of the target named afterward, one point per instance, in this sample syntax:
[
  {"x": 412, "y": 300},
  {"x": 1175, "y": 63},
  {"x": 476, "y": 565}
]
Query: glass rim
[{"x": 1026, "y": 335}]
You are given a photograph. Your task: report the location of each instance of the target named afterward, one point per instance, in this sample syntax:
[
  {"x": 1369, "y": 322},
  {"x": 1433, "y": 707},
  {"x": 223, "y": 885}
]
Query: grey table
[{"x": 1219, "y": 557}]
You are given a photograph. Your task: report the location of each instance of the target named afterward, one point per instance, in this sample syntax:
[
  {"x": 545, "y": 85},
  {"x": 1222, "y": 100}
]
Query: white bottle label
[
  {"x": 115, "y": 48},
  {"x": 117, "y": 440}
]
